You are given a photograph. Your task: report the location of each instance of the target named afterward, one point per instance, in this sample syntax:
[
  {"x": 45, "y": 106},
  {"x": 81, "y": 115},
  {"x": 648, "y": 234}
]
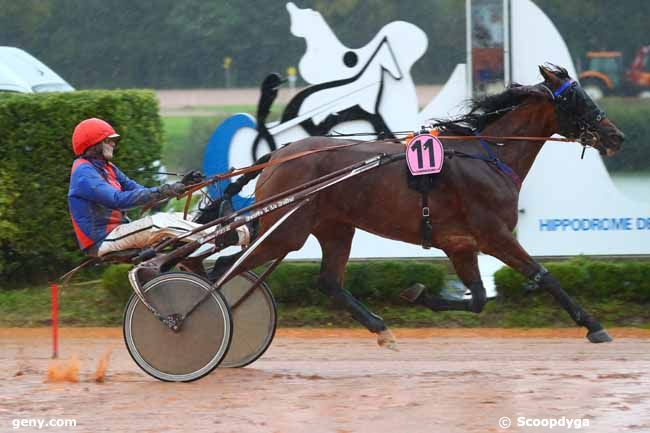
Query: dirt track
[{"x": 340, "y": 381}]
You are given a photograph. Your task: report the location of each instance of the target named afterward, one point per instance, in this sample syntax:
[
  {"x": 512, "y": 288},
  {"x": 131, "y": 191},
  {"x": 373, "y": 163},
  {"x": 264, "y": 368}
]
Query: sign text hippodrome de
[{"x": 594, "y": 224}]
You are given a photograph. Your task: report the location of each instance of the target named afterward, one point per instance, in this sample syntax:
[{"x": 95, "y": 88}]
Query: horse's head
[
  {"x": 577, "y": 115},
  {"x": 305, "y": 23}
]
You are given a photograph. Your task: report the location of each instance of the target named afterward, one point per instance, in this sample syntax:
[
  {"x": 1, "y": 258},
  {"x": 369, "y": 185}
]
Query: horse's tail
[{"x": 220, "y": 206}]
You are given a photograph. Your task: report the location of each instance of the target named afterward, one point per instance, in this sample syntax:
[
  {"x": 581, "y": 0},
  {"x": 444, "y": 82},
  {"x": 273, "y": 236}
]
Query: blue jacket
[{"x": 99, "y": 193}]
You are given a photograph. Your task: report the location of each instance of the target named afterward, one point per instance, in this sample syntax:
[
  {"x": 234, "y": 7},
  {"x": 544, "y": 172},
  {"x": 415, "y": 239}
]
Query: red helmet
[{"x": 90, "y": 132}]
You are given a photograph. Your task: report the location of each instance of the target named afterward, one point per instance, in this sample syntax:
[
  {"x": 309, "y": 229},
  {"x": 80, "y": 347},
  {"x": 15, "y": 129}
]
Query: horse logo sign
[{"x": 366, "y": 89}]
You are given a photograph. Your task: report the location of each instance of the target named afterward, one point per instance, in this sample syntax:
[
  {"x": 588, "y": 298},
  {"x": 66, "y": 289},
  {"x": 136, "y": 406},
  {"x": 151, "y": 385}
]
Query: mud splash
[
  {"x": 68, "y": 370},
  {"x": 63, "y": 371},
  {"x": 102, "y": 366}
]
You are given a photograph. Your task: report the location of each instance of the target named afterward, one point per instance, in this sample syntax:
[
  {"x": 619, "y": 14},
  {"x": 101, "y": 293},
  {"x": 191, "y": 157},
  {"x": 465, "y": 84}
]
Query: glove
[
  {"x": 171, "y": 190},
  {"x": 192, "y": 177}
]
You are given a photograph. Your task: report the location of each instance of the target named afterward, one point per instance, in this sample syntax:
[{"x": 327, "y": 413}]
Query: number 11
[{"x": 428, "y": 145}]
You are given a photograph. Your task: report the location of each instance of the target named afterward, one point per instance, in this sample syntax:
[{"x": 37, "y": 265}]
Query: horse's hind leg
[
  {"x": 509, "y": 251},
  {"x": 466, "y": 265},
  {"x": 336, "y": 241}
]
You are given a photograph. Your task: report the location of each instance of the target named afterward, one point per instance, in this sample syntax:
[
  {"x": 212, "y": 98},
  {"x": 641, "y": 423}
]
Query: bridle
[{"x": 576, "y": 113}]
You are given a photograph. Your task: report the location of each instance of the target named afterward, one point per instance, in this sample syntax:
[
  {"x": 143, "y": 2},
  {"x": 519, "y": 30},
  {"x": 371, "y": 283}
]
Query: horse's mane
[{"x": 485, "y": 110}]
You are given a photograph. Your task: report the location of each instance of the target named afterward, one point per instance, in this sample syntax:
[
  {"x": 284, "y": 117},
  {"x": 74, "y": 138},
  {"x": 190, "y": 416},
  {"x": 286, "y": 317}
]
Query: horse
[{"x": 473, "y": 203}]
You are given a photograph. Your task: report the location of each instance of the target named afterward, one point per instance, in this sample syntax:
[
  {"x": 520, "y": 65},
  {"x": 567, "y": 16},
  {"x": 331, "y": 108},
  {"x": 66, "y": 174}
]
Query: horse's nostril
[{"x": 616, "y": 139}]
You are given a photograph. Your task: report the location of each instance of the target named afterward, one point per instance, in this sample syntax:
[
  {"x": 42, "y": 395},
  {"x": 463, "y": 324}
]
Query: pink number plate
[{"x": 424, "y": 155}]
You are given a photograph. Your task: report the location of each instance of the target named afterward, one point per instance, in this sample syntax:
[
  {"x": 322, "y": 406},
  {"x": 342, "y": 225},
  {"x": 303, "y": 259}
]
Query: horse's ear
[{"x": 549, "y": 75}]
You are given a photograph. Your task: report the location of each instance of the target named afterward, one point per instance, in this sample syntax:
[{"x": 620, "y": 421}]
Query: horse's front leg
[
  {"x": 505, "y": 247},
  {"x": 463, "y": 255},
  {"x": 336, "y": 241}
]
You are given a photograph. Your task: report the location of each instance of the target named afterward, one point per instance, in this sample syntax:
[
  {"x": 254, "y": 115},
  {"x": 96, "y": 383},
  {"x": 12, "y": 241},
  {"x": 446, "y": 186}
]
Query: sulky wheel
[
  {"x": 254, "y": 319},
  {"x": 204, "y": 336}
]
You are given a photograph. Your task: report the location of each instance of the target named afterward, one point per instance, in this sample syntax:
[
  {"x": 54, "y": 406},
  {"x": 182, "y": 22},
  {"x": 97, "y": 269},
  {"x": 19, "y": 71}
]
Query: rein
[
  {"x": 491, "y": 156},
  {"x": 239, "y": 171},
  {"x": 502, "y": 138}
]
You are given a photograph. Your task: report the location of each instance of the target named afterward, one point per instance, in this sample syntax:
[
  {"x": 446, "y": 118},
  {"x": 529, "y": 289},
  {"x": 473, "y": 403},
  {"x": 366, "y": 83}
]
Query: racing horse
[{"x": 473, "y": 202}]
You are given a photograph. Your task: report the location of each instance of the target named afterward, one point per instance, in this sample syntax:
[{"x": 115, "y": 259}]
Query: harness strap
[
  {"x": 426, "y": 228},
  {"x": 494, "y": 159}
]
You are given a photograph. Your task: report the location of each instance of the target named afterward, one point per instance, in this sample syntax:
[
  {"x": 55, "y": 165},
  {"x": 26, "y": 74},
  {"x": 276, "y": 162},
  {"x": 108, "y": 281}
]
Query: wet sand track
[{"x": 449, "y": 381}]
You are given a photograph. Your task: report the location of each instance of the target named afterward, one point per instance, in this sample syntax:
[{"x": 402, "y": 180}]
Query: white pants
[{"x": 153, "y": 228}]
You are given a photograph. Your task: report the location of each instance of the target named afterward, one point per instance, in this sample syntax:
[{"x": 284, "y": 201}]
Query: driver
[{"x": 100, "y": 193}]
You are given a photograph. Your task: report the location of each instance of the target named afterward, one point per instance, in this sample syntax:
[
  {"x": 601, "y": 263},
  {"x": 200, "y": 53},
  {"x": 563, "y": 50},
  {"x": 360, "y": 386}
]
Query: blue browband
[{"x": 562, "y": 88}]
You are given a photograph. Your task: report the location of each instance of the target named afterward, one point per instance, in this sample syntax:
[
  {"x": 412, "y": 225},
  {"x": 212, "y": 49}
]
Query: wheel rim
[
  {"x": 254, "y": 320},
  {"x": 197, "y": 348}
]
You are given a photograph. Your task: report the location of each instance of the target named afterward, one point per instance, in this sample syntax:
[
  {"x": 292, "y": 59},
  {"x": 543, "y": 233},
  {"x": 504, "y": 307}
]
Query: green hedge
[
  {"x": 187, "y": 133},
  {"x": 596, "y": 280},
  {"x": 631, "y": 116},
  {"x": 377, "y": 282},
  {"x": 116, "y": 283},
  {"x": 36, "y": 235},
  {"x": 295, "y": 283}
]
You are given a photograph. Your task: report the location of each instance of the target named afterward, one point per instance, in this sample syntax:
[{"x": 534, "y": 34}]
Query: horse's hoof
[
  {"x": 386, "y": 339},
  {"x": 599, "y": 337},
  {"x": 413, "y": 292}
]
